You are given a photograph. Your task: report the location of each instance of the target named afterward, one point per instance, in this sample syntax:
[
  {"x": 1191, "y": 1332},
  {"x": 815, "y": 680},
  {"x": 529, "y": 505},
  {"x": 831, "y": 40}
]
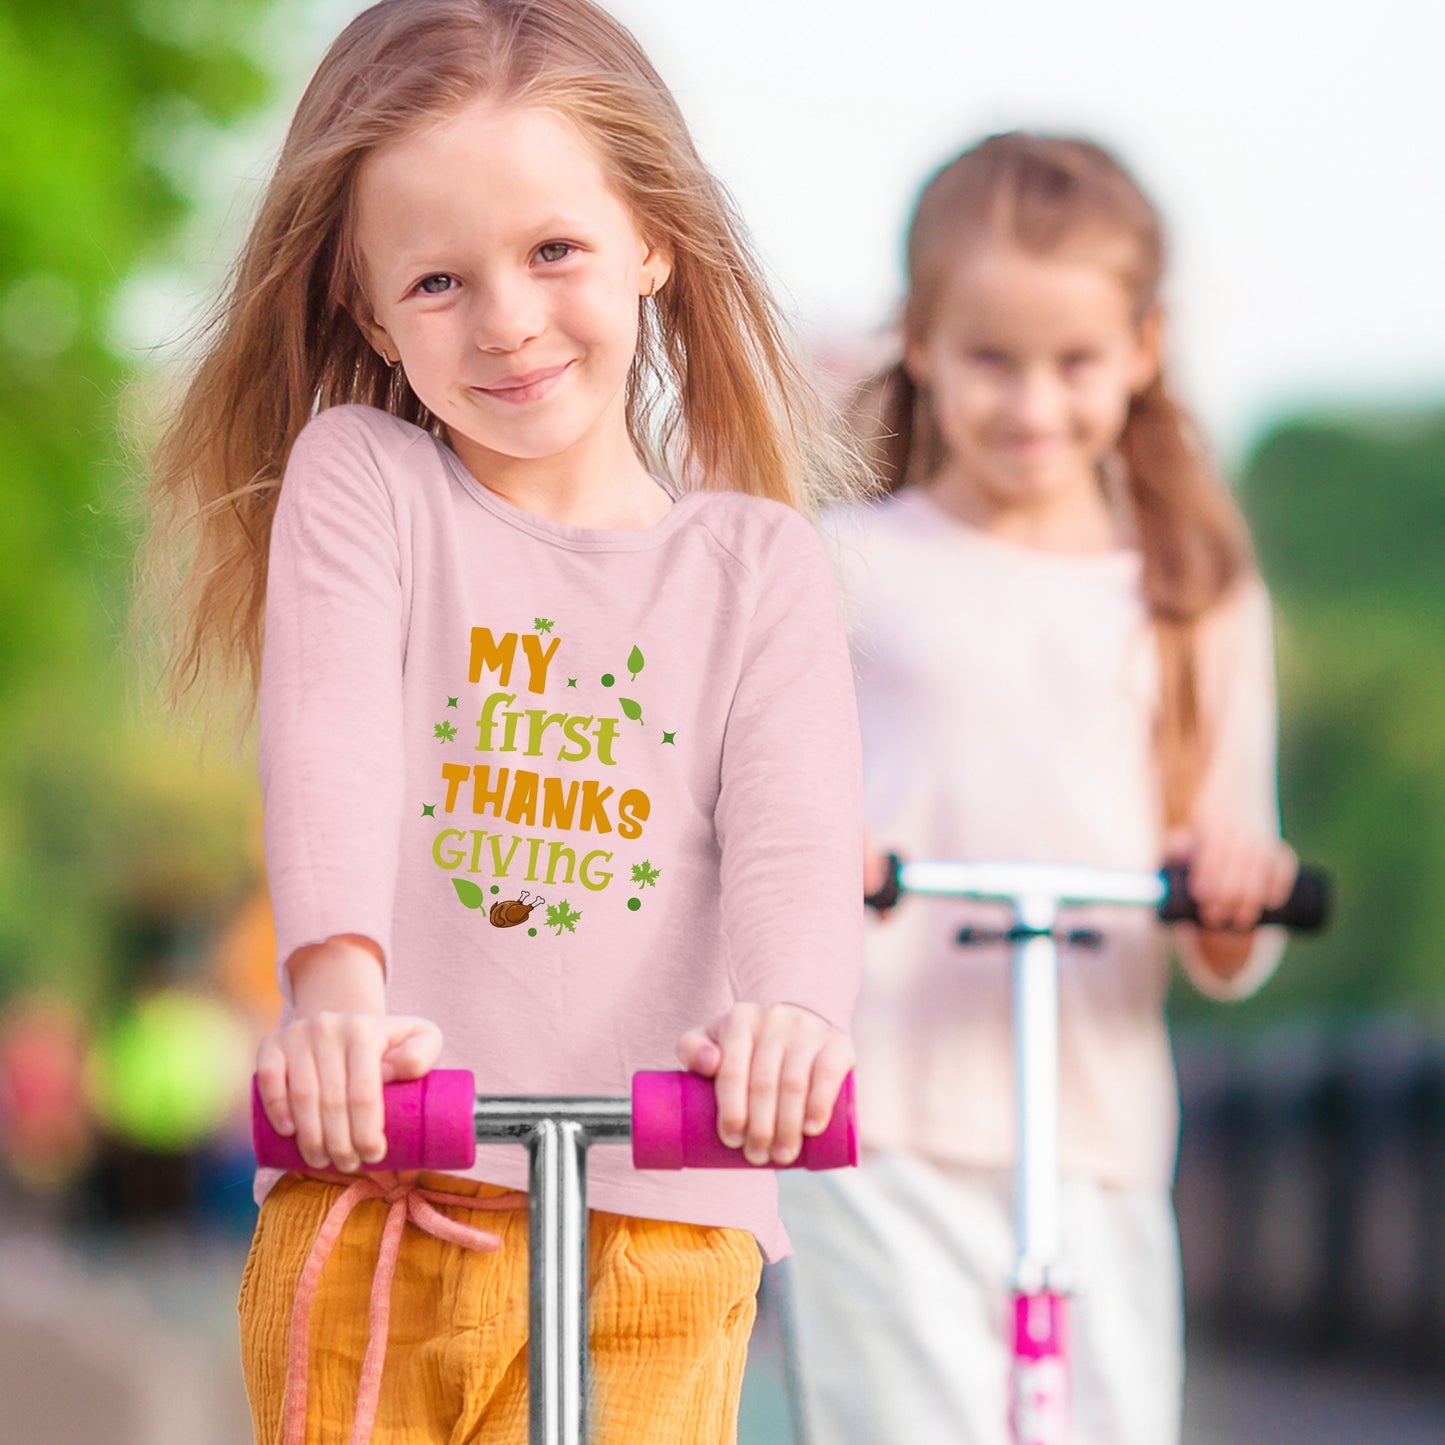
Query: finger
[
  {"x": 1205, "y": 858},
  {"x": 366, "y": 1105},
  {"x": 331, "y": 1080},
  {"x": 1241, "y": 888},
  {"x": 304, "y": 1094},
  {"x": 271, "y": 1086},
  {"x": 698, "y": 1052},
  {"x": 830, "y": 1069},
  {"x": 875, "y": 871},
  {"x": 769, "y": 1051},
  {"x": 734, "y": 1072},
  {"x": 795, "y": 1084},
  {"x": 1285, "y": 876},
  {"x": 1179, "y": 845}
]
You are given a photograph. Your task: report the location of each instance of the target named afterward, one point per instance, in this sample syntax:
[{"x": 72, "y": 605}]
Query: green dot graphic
[
  {"x": 495, "y": 888},
  {"x": 531, "y": 933},
  {"x": 634, "y": 904},
  {"x": 608, "y": 679}
]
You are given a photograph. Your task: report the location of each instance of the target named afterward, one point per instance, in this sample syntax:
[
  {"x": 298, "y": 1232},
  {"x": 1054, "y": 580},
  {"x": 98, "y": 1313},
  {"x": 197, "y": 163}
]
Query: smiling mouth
[
  {"x": 529, "y": 386},
  {"x": 1028, "y": 444}
]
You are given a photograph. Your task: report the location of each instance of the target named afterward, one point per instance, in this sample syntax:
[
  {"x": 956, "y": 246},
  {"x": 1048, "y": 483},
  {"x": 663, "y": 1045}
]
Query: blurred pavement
[{"x": 131, "y": 1340}]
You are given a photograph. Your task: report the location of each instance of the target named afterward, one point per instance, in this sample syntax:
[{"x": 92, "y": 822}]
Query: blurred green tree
[
  {"x": 1348, "y": 513},
  {"x": 99, "y": 820}
]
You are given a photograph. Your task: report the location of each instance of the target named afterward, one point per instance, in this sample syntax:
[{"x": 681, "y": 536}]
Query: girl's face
[
  {"x": 506, "y": 273},
  {"x": 1031, "y": 362}
]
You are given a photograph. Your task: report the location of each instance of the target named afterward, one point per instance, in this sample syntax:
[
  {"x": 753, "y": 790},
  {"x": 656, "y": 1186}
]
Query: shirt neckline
[
  {"x": 563, "y": 534},
  {"x": 917, "y": 500}
]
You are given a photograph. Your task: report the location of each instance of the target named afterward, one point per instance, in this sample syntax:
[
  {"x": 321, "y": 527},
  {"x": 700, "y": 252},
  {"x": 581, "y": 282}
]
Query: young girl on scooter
[{"x": 499, "y": 428}]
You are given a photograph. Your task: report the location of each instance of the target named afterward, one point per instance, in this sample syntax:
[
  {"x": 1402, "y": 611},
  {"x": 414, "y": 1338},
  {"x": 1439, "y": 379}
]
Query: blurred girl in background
[{"x": 1063, "y": 653}]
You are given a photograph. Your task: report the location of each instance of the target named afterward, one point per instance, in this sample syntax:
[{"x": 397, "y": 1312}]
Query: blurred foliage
[
  {"x": 111, "y": 835},
  {"x": 1348, "y": 514},
  {"x": 117, "y": 847}
]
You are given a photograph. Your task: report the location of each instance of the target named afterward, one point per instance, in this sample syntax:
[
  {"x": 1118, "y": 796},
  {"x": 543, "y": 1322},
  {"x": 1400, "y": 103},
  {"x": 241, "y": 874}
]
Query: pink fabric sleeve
[
  {"x": 789, "y": 812},
  {"x": 331, "y": 758},
  {"x": 1238, "y": 713}
]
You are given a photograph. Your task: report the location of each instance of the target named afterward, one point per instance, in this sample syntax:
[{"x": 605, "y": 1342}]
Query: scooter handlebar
[
  {"x": 430, "y": 1125},
  {"x": 1306, "y": 911},
  {"x": 674, "y": 1126}
]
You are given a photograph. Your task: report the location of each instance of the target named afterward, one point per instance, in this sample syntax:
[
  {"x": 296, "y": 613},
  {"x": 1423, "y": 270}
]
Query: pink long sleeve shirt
[
  {"x": 1008, "y": 699},
  {"x": 586, "y": 788}
]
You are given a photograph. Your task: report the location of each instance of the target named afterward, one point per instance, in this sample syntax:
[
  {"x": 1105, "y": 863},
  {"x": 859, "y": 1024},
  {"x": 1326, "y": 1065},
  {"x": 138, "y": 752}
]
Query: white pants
[{"x": 900, "y": 1297}]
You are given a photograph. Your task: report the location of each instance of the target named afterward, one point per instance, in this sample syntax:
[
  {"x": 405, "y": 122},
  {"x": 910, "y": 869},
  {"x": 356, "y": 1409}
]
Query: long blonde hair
[
  {"x": 715, "y": 396},
  {"x": 1043, "y": 194}
]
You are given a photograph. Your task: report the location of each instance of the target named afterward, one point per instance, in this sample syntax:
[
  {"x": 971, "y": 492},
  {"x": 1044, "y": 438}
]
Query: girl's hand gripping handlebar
[{"x": 429, "y": 1125}]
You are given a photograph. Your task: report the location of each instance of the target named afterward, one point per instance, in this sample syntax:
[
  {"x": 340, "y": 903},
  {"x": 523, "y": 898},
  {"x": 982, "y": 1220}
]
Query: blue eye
[
  {"x": 555, "y": 251},
  {"x": 427, "y": 285}
]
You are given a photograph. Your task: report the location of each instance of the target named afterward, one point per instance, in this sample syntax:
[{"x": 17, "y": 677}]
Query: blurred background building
[{"x": 1299, "y": 152}]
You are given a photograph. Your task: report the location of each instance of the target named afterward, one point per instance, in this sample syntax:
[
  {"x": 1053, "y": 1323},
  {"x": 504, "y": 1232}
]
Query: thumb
[
  {"x": 1179, "y": 845},
  {"x": 413, "y": 1046},
  {"x": 699, "y": 1051}
]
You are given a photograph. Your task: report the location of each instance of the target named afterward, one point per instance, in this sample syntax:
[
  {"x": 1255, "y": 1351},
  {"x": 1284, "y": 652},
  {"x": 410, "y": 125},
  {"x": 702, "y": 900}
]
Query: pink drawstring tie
[{"x": 407, "y": 1201}]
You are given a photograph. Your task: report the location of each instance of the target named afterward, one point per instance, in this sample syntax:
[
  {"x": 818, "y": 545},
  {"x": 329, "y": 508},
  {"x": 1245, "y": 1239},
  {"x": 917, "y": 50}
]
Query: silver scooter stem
[
  {"x": 557, "y": 1133},
  {"x": 1036, "y": 1064},
  {"x": 1034, "y": 892}
]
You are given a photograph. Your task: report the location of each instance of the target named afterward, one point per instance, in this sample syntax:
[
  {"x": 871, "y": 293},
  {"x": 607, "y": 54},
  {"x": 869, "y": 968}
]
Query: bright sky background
[{"x": 1297, "y": 148}]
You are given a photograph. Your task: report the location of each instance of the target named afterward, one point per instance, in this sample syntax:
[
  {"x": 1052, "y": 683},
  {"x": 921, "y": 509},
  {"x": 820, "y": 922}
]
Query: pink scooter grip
[
  {"x": 428, "y": 1125},
  {"x": 674, "y": 1126}
]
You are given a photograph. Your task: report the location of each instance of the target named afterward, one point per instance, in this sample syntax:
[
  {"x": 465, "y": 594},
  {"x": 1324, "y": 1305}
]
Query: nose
[
  {"x": 1035, "y": 399},
  {"x": 507, "y": 313}
]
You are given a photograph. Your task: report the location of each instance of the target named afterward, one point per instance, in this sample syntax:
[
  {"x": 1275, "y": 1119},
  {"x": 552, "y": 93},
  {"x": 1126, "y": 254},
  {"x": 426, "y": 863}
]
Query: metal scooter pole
[
  {"x": 1036, "y": 1064},
  {"x": 1040, "y": 1406},
  {"x": 557, "y": 1134}
]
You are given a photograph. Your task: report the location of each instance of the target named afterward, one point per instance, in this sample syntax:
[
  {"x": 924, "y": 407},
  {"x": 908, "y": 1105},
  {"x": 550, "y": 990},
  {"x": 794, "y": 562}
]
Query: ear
[
  {"x": 1148, "y": 351},
  {"x": 656, "y": 270},
  {"x": 378, "y": 338},
  {"x": 373, "y": 332}
]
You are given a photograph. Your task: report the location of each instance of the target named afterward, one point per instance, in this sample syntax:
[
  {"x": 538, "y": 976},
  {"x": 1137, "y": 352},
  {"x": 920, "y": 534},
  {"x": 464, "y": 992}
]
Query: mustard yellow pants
[{"x": 671, "y": 1309}]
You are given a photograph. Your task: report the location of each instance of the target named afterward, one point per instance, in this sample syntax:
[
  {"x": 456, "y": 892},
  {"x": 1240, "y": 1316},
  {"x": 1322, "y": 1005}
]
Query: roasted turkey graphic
[{"x": 508, "y": 913}]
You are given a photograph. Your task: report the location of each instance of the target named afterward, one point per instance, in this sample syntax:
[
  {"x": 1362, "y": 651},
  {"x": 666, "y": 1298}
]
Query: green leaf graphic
[
  {"x": 634, "y": 662},
  {"x": 562, "y": 916},
  {"x": 542, "y": 624},
  {"x": 445, "y": 731},
  {"x": 645, "y": 875},
  {"x": 469, "y": 893},
  {"x": 632, "y": 709}
]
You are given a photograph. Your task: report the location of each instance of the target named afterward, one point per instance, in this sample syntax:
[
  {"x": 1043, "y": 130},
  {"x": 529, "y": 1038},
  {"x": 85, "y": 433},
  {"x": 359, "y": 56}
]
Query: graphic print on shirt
[{"x": 557, "y": 824}]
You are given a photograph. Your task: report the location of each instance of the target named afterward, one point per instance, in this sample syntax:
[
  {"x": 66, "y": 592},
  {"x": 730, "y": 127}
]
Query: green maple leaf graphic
[
  {"x": 445, "y": 731},
  {"x": 645, "y": 875},
  {"x": 562, "y": 916},
  {"x": 542, "y": 624},
  {"x": 634, "y": 662}
]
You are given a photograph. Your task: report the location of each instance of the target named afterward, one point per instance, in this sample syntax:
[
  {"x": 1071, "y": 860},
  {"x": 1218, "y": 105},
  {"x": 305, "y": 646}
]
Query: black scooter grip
[{"x": 1306, "y": 911}]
